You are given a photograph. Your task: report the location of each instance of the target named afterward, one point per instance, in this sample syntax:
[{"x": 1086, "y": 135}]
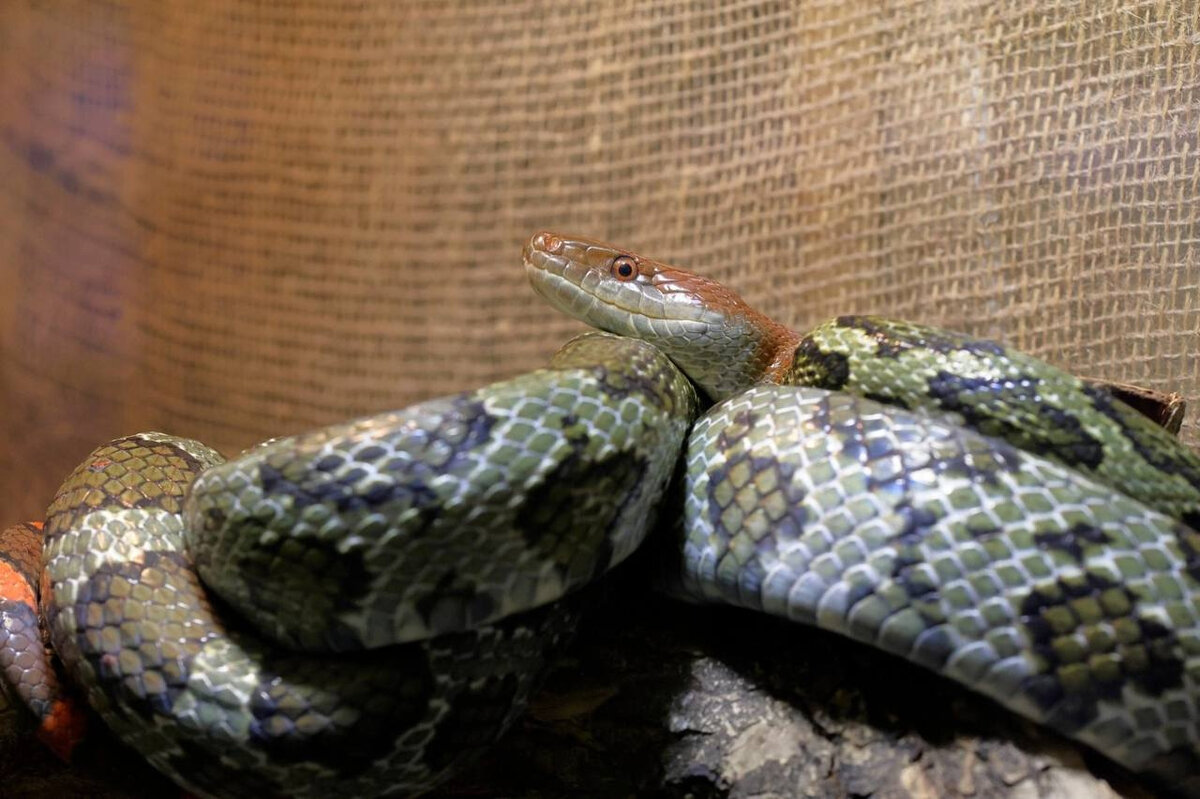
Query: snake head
[
  {"x": 600, "y": 284},
  {"x": 718, "y": 340}
]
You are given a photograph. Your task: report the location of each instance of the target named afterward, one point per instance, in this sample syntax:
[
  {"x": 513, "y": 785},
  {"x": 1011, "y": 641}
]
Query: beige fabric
[{"x": 231, "y": 220}]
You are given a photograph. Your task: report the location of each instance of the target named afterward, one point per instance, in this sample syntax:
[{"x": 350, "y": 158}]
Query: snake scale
[
  {"x": 421, "y": 548},
  {"x": 964, "y": 506},
  {"x": 360, "y": 609}
]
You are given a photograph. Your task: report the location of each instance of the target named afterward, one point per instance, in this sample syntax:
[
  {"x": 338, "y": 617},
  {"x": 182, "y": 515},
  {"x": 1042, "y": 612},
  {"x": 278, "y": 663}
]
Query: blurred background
[{"x": 235, "y": 220}]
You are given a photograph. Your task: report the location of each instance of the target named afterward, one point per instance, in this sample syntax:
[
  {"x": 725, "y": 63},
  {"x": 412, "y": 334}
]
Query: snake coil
[
  {"x": 396, "y": 575},
  {"x": 384, "y": 591},
  {"x": 944, "y": 498}
]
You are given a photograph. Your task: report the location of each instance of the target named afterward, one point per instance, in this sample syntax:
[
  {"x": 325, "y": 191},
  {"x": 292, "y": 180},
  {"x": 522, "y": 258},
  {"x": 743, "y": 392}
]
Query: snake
[
  {"x": 354, "y": 611},
  {"x": 362, "y": 609},
  {"x": 940, "y": 497}
]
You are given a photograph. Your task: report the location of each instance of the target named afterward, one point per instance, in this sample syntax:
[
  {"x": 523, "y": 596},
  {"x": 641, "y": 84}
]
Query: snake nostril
[{"x": 547, "y": 242}]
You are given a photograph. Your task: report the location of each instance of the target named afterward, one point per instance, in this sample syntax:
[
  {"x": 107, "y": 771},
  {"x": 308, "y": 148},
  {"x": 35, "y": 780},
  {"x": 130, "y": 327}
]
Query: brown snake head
[{"x": 718, "y": 340}]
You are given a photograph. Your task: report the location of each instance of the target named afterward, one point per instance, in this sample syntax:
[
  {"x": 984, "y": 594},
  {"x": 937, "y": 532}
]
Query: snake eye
[{"x": 624, "y": 268}]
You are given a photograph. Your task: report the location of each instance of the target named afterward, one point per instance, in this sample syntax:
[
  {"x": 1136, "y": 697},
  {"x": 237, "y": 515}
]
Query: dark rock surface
[{"x": 658, "y": 698}]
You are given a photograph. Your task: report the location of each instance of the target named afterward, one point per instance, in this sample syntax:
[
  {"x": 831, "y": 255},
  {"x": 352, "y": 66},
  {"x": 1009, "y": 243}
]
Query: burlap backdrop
[{"x": 232, "y": 220}]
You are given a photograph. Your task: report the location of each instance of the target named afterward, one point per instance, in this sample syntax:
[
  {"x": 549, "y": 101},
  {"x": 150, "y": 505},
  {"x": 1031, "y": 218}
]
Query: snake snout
[
  {"x": 544, "y": 254},
  {"x": 545, "y": 241}
]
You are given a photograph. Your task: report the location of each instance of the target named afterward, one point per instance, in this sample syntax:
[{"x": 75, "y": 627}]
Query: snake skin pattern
[
  {"x": 1068, "y": 603},
  {"x": 1007, "y": 394},
  {"x": 449, "y": 514},
  {"x": 29, "y": 675},
  {"x": 384, "y": 591},
  {"x": 503, "y": 498},
  {"x": 974, "y": 554}
]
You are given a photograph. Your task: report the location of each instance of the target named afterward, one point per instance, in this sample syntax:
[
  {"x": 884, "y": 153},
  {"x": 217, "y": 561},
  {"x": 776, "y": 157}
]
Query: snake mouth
[{"x": 558, "y": 279}]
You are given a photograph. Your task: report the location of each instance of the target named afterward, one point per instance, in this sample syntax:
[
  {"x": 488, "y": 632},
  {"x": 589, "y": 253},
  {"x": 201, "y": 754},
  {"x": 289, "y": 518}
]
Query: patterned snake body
[
  {"x": 974, "y": 552},
  {"x": 454, "y": 522},
  {"x": 450, "y": 514},
  {"x": 1069, "y": 603},
  {"x": 1007, "y": 394},
  {"x": 384, "y": 589}
]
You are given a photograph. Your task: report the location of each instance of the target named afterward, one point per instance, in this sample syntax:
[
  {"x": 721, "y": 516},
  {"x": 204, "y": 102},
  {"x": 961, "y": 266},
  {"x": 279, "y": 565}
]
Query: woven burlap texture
[{"x": 234, "y": 220}]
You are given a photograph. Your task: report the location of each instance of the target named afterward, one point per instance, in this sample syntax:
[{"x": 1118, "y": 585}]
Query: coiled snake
[
  {"x": 386, "y": 586},
  {"x": 449, "y": 525},
  {"x": 834, "y": 484}
]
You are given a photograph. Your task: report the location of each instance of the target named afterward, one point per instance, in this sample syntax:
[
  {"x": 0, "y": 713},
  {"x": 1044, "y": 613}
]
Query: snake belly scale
[
  {"x": 944, "y": 498},
  {"x": 461, "y": 519}
]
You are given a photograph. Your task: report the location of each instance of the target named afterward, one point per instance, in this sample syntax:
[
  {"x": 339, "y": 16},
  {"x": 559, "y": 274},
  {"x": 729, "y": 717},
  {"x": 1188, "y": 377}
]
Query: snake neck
[
  {"x": 739, "y": 349},
  {"x": 722, "y": 344}
]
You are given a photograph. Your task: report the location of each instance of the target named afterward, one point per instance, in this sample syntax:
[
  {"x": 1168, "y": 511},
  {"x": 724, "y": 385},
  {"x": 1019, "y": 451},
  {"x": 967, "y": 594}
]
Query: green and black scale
[
  {"x": 1004, "y": 393},
  {"x": 383, "y": 590},
  {"x": 868, "y": 515},
  {"x": 941, "y": 497}
]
